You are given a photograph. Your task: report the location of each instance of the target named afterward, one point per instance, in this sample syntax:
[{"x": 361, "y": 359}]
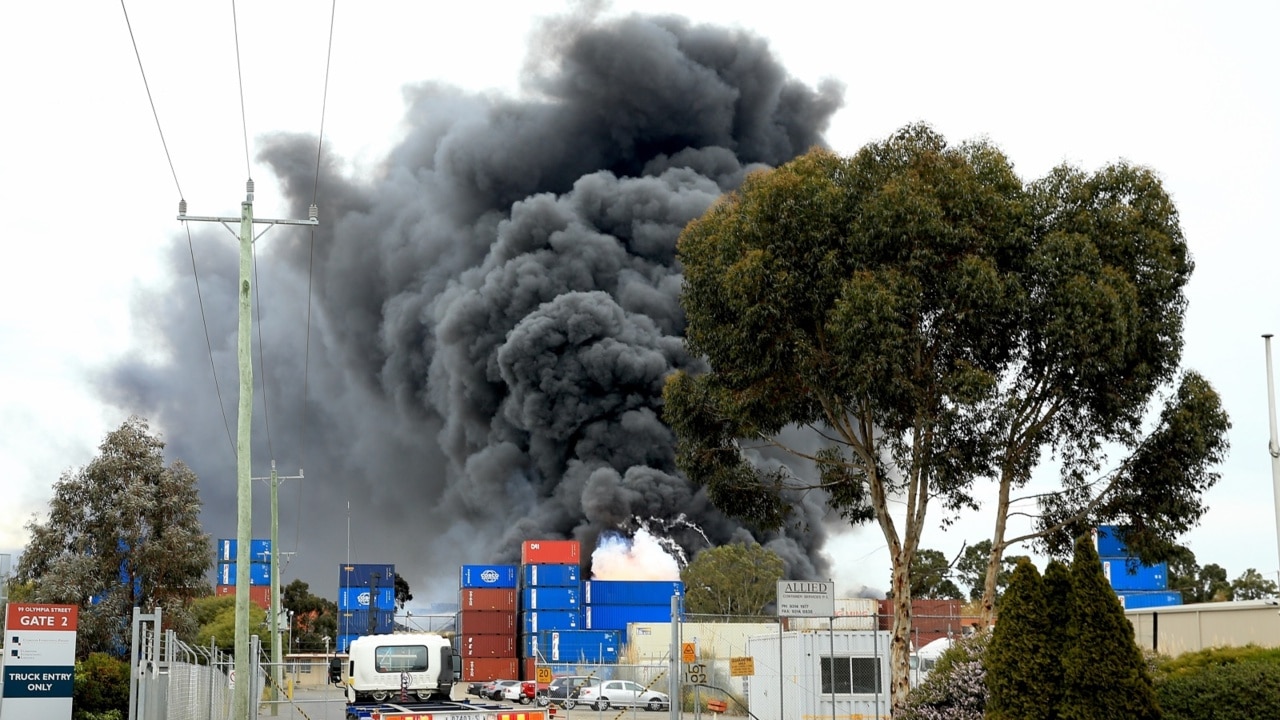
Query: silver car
[{"x": 622, "y": 693}]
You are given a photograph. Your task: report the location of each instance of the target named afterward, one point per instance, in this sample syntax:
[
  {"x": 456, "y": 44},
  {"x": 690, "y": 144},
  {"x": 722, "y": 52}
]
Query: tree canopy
[
  {"x": 314, "y": 618},
  {"x": 738, "y": 579},
  {"x": 934, "y": 320},
  {"x": 122, "y": 532}
]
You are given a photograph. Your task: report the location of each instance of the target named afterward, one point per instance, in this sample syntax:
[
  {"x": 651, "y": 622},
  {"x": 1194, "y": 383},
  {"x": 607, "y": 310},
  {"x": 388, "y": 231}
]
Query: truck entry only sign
[{"x": 39, "y": 661}]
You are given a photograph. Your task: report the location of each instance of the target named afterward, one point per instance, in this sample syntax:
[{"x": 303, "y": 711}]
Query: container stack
[
  {"x": 487, "y": 631},
  {"x": 612, "y": 604},
  {"x": 259, "y": 570},
  {"x": 366, "y": 601},
  {"x": 550, "y": 601},
  {"x": 1137, "y": 585}
]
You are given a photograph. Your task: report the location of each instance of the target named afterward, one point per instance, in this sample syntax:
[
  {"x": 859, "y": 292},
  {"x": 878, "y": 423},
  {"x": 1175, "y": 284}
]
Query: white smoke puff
[{"x": 638, "y": 558}]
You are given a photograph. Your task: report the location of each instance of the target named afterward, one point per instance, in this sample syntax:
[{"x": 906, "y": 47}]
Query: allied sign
[
  {"x": 39, "y": 662},
  {"x": 742, "y": 667},
  {"x": 798, "y": 598}
]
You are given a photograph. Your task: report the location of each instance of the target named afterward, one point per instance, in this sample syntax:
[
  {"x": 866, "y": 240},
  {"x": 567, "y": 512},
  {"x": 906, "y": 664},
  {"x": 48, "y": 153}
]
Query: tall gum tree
[
  {"x": 1100, "y": 340},
  {"x": 121, "y": 532},
  {"x": 874, "y": 299},
  {"x": 939, "y": 323}
]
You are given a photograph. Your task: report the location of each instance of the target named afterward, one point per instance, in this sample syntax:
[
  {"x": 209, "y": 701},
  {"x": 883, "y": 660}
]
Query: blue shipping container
[
  {"x": 356, "y": 598},
  {"x": 631, "y": 592},
  {"x": 356, "y": 622},
  {"x": 1141, "y": 600},
  {"x": 549, "y": 598},
  {"x": 1129, "y": 574},
  {"x": 259, "y": 550},
  {"x": 344, "y": 642},
  {"x": 551, "y": 576},
  {"x": 259, "y": 573},
  {"x": 362, "y": 575},
  {"x": 616, "y": 617},
  {"x": 534, "y": 622},
  {"x": 488, "y": 576},
  {"x": 576, "y": 646},
  {"x": 1109, "y": 543}
]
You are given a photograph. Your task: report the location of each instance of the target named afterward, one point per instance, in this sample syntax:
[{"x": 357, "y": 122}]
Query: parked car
[
  {"x": 622, "y": 693},
  {"x": 564, "y": 690},
  {"x": 498, "y": 690},
  {"x": 476, "y": 687},
  {"x": 521, "y": 692}
]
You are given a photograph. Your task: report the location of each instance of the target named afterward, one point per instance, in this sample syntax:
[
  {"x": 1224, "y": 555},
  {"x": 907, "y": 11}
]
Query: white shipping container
[
  {"x": 851, "y": 614},
  {"x": 799, "y": 691}
]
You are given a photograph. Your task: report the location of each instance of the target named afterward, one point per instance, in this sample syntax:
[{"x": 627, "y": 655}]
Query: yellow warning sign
[
  {"x": 742, "y": 667},
  {"x": 544, "y": 675},
  {"x": 689, "y": 652}
]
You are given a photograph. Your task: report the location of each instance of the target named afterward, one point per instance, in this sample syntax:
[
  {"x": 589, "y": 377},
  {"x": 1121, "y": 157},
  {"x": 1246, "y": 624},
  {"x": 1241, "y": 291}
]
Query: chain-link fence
[{"x": 170, "y": 680}]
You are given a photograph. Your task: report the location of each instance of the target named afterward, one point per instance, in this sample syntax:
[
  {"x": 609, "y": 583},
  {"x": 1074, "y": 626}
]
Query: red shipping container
[
  {"x": 488, "y": 646},
  {"x": 259, "y": 595},
  {"x": 503, "y": 599},
  {"x": 485, "y": 622},
  {"x": 550, "y": 552},
  {"x": 489, "y": 669}
]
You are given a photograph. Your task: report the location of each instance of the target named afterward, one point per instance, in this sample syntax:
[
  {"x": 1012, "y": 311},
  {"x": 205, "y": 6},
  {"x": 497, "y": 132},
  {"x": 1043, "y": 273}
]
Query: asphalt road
[{"x": 329, "y": 704}]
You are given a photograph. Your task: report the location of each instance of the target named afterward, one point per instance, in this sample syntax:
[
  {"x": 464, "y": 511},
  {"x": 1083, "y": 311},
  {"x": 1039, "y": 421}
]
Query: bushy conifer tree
[
  {"x": 1104, "y": 675},
  {"x": 1020, "y": 668}
]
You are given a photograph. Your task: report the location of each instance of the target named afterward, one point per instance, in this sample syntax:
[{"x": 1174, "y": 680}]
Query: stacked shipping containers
[
  {"x": 550, "y": 598},
  {"x": 1138, "y": 586},
  {"x": 366, "y": 601},
  {"x": 259, "y": 570},
  {"x": 612, "y": 604},
  {"x": 487, "y": 631}
]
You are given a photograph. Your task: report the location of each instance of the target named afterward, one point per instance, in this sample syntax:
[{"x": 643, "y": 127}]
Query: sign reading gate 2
[
  {"x": 39, "y": 661},
  {"x": 797, "y": 598}
]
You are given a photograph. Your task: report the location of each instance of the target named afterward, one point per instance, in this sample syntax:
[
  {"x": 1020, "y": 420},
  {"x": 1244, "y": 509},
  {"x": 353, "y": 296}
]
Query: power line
[
  {"x": 222, "y": 407},
  {"x": 150, "y": 100},
  {"x": 315, "y": 190},
  {"x": 182, "y": 208},
  {"x": 240, "y": 78}
]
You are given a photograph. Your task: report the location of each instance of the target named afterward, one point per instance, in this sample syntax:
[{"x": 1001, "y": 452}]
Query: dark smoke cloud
[{"x": 494, "y": 312}]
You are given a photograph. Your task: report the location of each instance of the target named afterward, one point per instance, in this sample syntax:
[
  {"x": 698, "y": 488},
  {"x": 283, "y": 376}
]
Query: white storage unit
[
  {"x": 824, "y": 674},
  {"x": 851, "y": 614}
]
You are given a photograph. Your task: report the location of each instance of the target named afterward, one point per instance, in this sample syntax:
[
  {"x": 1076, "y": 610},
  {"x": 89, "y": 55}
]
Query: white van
[
  {"x": 381, "y": 666},
  {"x": 923, "y": 660}
]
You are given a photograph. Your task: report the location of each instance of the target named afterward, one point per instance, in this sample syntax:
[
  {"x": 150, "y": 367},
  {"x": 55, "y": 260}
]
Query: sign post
[{"x": 39, "y": 663}]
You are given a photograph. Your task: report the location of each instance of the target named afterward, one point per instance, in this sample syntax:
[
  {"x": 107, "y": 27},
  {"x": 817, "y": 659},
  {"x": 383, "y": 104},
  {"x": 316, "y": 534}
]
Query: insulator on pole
[
  {"x": 248, "y": 189},
  {"x": 313, "y": 212},
  {"x": 182, "y": 207}
]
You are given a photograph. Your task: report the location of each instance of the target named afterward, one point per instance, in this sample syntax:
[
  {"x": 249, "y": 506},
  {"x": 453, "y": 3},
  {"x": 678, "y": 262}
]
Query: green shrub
[
  {"x": 957, "y": 688},
  {"x": 101, "y": 689},
  {"x": 1232, "y": 691},
  {"x": 1195, "y": 662}
]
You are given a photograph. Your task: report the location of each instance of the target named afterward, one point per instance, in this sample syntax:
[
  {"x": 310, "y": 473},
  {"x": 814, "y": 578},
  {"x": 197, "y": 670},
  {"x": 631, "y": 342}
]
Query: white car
[{"x": 622, "y": 693}]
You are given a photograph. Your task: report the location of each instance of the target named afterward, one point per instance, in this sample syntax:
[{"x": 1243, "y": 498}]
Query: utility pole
[
  {"x": 1273, "y": 446},
  {"x": 276, "y": 659},
  {"x": 244, "y": 487}
]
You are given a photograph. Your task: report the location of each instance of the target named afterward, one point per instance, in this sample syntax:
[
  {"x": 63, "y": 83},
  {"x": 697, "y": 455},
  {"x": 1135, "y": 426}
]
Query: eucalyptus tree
[
  {"x": 875, "y": 299},
  {"x": 936, "y": 322},
  {"x": 121, "y": 532}
]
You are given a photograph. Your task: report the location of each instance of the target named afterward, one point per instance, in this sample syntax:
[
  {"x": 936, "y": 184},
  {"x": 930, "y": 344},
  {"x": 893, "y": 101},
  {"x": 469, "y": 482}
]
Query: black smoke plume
[{"x": 493, "y": 312}]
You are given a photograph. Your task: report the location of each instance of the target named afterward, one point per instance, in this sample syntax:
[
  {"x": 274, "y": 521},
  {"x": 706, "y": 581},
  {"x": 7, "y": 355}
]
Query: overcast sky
[{"x": 1188, "y": 89}]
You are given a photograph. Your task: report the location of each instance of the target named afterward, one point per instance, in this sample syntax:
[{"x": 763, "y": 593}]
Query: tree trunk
[
  {"x": 900, "y": 641},
  {"x": 988, "y": 612}
]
